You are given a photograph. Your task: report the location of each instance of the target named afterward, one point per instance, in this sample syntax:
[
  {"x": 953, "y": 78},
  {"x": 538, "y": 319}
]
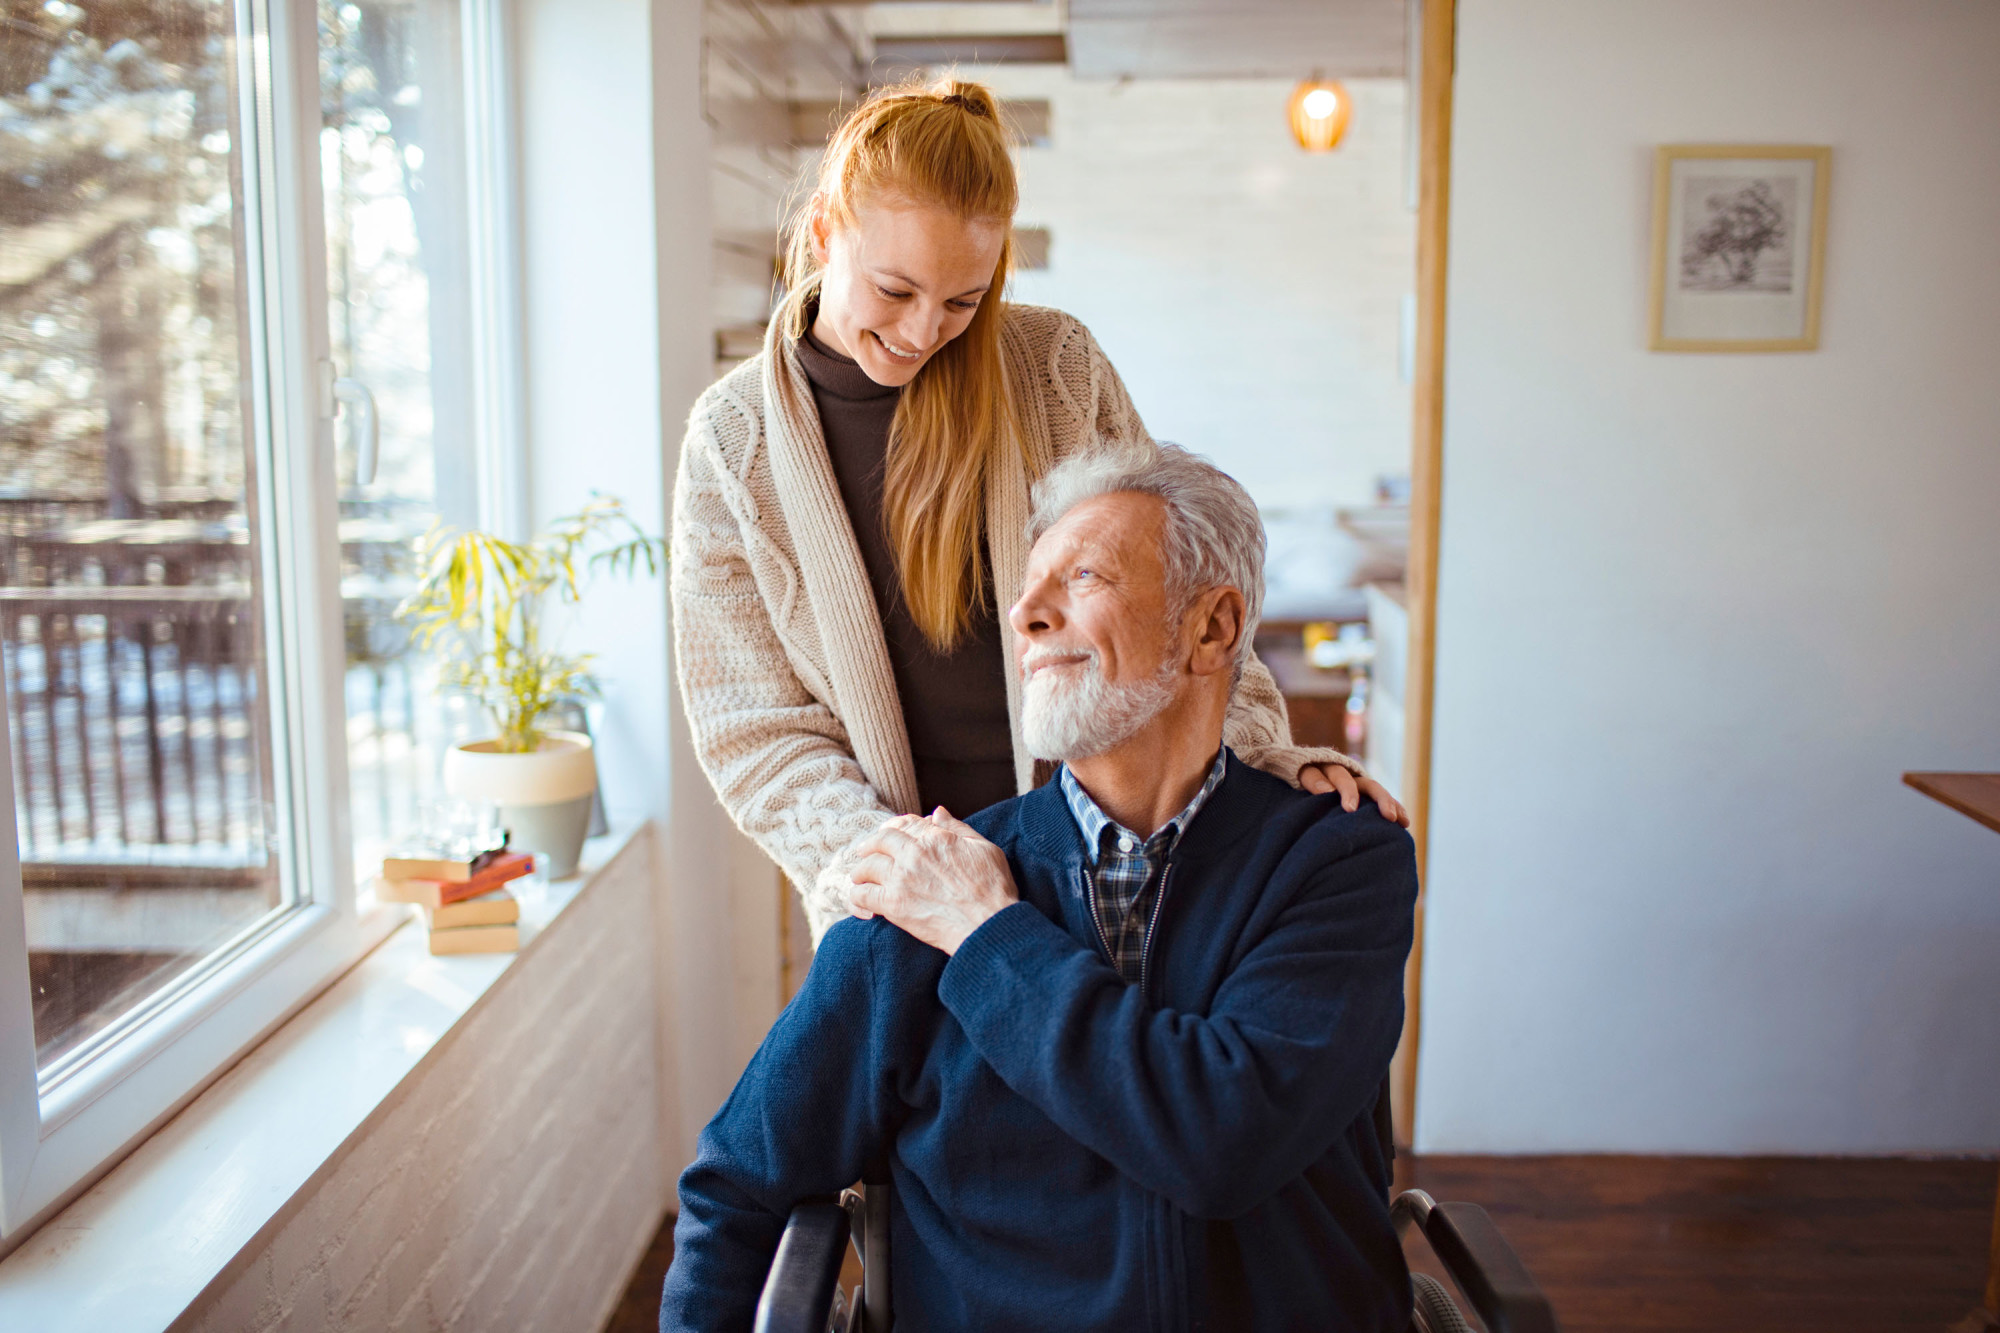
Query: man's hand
[
  {"x": 1320, "y": 779},
  {"x": 934, "y": 878}
]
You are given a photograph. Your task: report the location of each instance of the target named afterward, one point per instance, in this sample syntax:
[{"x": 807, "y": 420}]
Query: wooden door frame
[{"x": 1437, "y": 66}]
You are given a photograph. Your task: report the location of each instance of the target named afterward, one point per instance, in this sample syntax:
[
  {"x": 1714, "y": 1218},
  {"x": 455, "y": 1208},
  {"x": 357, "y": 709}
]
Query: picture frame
[{"x": 1739, "y": 246}]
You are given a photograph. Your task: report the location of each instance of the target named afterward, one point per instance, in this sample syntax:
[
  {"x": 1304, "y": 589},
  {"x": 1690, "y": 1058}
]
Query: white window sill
[{"x": 140, "y": 1246}]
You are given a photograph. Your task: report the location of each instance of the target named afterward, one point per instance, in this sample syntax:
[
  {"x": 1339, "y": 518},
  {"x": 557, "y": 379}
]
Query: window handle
[{"x": 335, "y": 391}]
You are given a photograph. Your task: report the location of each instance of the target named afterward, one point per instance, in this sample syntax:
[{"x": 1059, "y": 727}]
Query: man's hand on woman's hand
[
  {"x": 935, "y": 878},
  {"x": 1322, "y": 778}
]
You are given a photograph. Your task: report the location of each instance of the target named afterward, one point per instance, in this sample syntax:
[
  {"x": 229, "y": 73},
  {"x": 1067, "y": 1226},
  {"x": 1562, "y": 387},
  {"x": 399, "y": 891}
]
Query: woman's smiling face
[{"x": 901, "y": 282}]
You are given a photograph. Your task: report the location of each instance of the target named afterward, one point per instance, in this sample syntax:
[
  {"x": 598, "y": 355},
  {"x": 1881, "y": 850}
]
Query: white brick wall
[
  {"x": 516, "y": 1176},
  {"x": 1249, "y": 293}
]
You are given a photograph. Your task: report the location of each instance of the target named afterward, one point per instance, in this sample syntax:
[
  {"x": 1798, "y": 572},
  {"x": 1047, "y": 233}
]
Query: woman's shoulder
[
  {"x": 741, "y": 389},
  {"x": 1036, "y": 318},
  {"x": 1052, "y": 348},
  {"x": 1054, "y": 354},
  {"x": 1041, "y": 327},
  {"x": 731, "y": 411}
]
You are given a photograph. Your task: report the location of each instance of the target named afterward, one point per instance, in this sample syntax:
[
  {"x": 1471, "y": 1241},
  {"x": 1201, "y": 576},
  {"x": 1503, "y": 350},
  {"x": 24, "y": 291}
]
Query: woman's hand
[
  {"x": 934, "y": 878},
  {"x": 1320, "y": 779}
]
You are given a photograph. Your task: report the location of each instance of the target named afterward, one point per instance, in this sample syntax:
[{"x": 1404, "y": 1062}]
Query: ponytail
[{"x": 945, "y": 144}]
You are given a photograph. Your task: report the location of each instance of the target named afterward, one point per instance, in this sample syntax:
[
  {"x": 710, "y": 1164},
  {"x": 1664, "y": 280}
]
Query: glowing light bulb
[{"x": 1318, "y": 110}]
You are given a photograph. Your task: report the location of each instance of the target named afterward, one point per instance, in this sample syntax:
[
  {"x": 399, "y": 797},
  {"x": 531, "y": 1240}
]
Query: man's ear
[{"x": 1216, "y": 621}]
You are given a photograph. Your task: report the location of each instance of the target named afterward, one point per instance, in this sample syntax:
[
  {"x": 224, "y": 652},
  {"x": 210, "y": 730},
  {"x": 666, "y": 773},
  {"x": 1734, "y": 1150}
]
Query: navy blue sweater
[{"x": 1068, "y": 1151}]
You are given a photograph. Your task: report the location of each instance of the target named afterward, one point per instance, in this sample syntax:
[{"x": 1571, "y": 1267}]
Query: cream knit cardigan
[{"x": 784, "y": 671}]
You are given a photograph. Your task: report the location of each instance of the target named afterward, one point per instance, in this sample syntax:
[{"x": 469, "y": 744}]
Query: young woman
[{"x": 849, "y": 514}]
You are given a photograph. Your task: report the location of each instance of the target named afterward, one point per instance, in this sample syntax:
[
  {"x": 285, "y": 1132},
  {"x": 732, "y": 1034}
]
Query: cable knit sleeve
[
  {"x": 1099, "y": 412},
  {"x": 1258, "y": 729},
  {"x": 778, "y": 758}
]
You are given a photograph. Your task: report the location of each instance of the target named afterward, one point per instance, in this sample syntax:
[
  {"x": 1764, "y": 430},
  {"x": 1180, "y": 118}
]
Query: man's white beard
[{"x": 1077, "y": 714}]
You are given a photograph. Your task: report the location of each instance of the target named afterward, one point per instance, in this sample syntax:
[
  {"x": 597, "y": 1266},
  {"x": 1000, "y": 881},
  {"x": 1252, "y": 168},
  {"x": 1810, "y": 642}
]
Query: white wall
[
  {"x": 616, "y": 235},
  {"x": 701, "y": 852},
  {"x": 1697, "y": 612},
  {"x": 1249, "y": 293},
  {"x": 594, "y": 341}
]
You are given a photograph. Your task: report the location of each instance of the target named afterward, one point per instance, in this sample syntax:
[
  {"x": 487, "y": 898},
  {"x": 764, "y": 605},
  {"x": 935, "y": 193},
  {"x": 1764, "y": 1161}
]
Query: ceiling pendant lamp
[{"x": 1319, "y": 110}]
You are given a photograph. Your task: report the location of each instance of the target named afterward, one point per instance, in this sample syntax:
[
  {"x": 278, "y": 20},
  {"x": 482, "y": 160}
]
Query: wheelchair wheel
[{"x": 1435, "y": 1310}]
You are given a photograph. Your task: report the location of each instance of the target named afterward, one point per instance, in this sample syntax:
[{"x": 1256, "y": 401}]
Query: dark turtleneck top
[{"x": 954, "y": 703}]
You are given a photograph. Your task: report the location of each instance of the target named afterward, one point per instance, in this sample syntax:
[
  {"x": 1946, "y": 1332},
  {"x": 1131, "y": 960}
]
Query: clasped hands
[
  {"x": 937, "y": 879},
  {"x": 933, "y": 877}
]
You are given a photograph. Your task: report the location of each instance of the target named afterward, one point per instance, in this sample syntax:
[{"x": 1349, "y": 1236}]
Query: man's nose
[{"x": 1037, "y": 611}]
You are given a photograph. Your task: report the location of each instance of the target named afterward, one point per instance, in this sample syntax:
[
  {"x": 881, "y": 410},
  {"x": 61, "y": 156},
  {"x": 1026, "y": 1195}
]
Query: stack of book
[{"x": 465, "y": 904}]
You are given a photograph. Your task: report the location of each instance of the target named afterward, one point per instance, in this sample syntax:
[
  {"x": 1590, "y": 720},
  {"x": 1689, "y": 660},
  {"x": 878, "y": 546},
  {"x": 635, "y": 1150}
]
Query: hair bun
[{"x": 976, "y": 98}]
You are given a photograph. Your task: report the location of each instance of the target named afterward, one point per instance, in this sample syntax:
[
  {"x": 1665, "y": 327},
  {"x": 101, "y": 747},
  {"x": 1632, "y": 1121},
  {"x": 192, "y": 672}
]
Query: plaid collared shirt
[{"x": 1126, "y": 869}]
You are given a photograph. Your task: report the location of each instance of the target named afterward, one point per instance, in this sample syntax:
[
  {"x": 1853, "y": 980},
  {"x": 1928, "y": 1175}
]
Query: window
[
  {"x": 138, "y": 668},
  {"x": 237, "y": 380},
  {"x": 394, "y": 182}
]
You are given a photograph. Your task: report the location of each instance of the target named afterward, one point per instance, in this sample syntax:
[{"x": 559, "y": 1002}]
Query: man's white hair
[{"x": 1213, "y": 536}]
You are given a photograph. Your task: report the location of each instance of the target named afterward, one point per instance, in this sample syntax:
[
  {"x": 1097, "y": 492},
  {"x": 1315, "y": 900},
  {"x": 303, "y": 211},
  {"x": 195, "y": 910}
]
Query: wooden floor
[
  {"x": 1732, "y": 1245},
  {"x": 639, "y": 1308},
  {"x": 1695, "y": 1244}
]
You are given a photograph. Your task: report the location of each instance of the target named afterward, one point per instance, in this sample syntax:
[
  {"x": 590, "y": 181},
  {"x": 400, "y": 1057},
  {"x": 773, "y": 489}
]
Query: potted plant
[{"x": 482, "y": 604}]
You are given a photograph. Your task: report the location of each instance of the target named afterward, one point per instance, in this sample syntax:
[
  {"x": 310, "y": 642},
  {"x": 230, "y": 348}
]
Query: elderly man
[{"x": 1117, "y": 1042}]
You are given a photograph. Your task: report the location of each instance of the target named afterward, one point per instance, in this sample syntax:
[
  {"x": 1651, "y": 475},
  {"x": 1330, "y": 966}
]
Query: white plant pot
[{"x": 544, "y": 796}]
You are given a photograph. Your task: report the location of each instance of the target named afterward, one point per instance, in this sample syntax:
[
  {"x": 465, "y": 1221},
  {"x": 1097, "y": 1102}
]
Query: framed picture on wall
[{"x": 1739, "y": 237}]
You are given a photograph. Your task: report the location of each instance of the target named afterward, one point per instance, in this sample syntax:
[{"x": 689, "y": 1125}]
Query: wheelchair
[{"x": 802, "y": 1294}]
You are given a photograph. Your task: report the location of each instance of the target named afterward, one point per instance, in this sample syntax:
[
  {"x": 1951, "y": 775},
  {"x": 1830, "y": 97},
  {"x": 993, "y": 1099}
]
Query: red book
[{"x": 434, "y": 893}]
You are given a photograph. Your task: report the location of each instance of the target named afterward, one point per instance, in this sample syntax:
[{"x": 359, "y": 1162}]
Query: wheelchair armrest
[
  {"x": 805, "y": 1274},
  {"x": 1480, "y": 1261}
]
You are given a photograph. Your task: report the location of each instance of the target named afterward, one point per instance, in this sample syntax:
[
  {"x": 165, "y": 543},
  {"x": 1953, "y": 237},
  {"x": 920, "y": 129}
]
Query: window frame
[
  {"x": 493, "y": 216},
  {"x": 56, "y": 1139}
]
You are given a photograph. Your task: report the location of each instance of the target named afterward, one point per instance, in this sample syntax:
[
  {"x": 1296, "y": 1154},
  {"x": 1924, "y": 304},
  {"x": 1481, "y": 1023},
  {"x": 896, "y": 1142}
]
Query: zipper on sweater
[
  {"x": 1152, "y": 928},
  {"x": 1090, "y": 899}
]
